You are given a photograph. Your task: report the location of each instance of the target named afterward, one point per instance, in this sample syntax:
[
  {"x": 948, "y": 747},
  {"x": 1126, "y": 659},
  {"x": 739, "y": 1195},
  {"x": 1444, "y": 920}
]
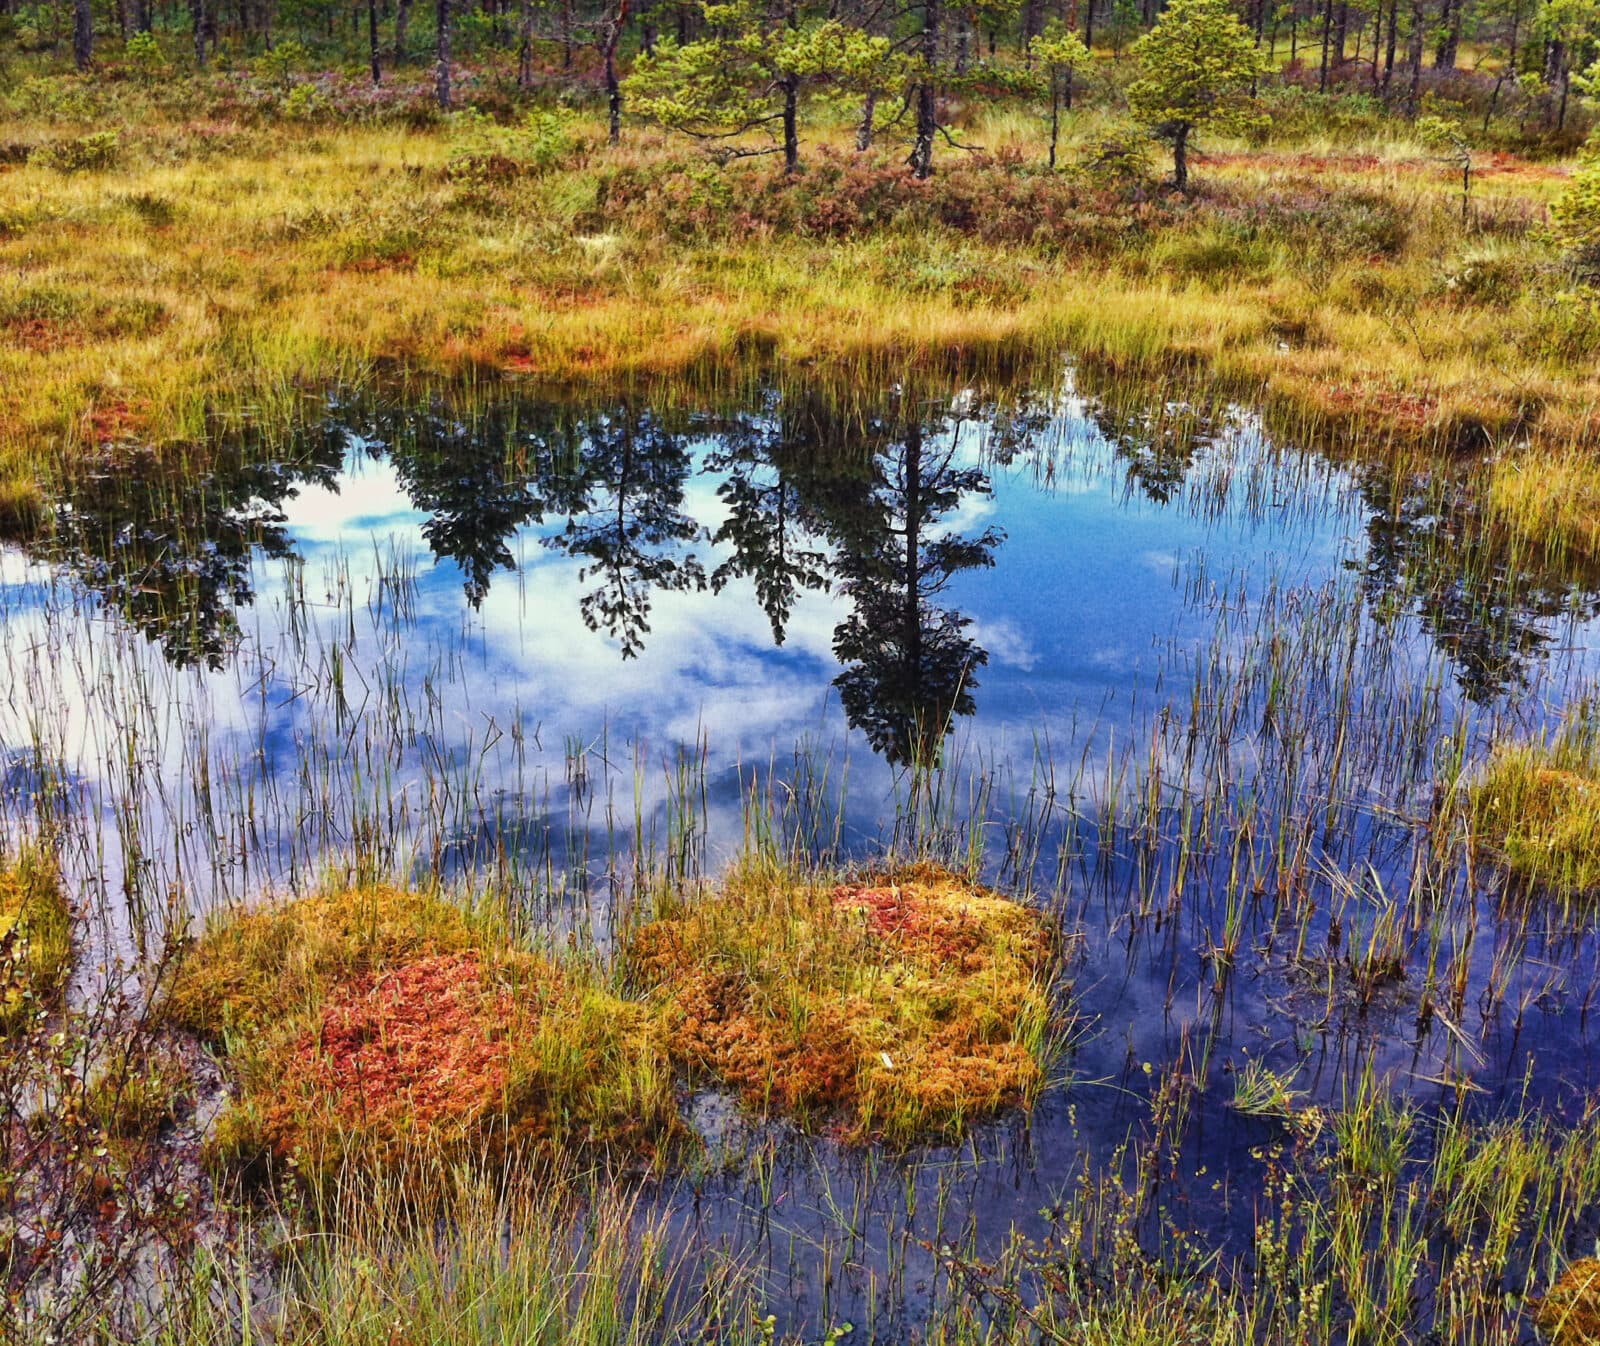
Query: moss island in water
[{"x": 378, "y": 1025}]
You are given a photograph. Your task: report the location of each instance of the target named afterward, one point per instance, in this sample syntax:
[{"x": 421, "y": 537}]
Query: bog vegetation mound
[
  {"x": 378, "y": 1025},
  {"x": 1537, "y": 807},
  {"x": 898, "y": 1006},
  {"x": 35, "y": 937},
  {"x": 1570, "y": 1313}
]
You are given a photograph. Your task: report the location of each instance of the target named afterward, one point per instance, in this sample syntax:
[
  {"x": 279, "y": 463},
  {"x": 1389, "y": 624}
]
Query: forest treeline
[{"x": 742, "y": 76}]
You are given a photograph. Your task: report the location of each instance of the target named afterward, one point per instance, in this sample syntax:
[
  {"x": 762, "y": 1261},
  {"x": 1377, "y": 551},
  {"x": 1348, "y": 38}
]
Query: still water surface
[{"x": 1170, "y": 676}]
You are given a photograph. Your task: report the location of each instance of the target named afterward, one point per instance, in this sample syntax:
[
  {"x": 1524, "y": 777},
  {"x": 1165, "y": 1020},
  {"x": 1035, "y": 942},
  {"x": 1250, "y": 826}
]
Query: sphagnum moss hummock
[
  {"x": 899, "y": 1005},
  {"x": 377, "y": 1026}
]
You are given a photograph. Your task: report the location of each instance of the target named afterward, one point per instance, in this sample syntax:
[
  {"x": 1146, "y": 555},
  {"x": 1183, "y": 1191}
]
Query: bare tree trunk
[
  {"x": 82, "y": 34},
  {"x": 613, "y": 38},
  {"x": 869, "y": 110},
  {"x": 1327, "y": 45},
  {"x": 1180, "y": 158},
  {"x": 926, "y": 95},
  {"x": 197, "y": 20},
  {"x": 1419, "y": 32},
  {"x": 441, "y": 68},
  {"x": 791, "y": 123},
  {"x": 372, "y": 41},
  {"x": 1394, "y": 37},
  {"x": 525, "y": 47},
  {"x": 1055, "y": 116},
  {"x": 1377, "y": 50},
  {"x": 402, "y": 21},
  {"x": 1444, "y": 58}
]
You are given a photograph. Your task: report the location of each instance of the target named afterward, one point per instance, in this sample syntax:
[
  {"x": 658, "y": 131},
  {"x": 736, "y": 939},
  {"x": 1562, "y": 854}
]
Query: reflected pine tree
[
  {"x": 856, "y": 500},
  {"x": 478, "y": 477},
  {"x": 772, "y": 461},
  {"x": 626, "y": 521},
  {"x": 616, "y": 474},
  {"x": 171, "y": 549},
  {"x": 1158, "y": 441},
  {"x": 910, "y": 666},
  {"x": 1487, "y": 607}
]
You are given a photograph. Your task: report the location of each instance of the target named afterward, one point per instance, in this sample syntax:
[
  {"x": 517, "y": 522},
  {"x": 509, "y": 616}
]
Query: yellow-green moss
[
  {"x": 35, "y": 938},
  {"x": 251, "y": 970},
  {"x": 901, "y": 1005},
  {"x": 1537, "y": 807}
]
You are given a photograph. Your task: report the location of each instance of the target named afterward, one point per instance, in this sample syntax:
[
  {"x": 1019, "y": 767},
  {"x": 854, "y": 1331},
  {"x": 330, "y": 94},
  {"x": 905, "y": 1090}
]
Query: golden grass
[
  {"x": 898, "y": 1006},
  {"x": 35, "y": 938},
  {"x": 1551, "y": 499},
  {"x": 146, "y": 301},
  {"x": 377, "y": 1027}
]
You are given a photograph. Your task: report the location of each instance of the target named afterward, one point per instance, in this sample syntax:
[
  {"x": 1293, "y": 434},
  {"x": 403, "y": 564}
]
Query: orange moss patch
[
  {"x": 1570, "y": 1313},
  {"x": 423, "y": 1045},
  {"x": 377, "y": 1026},
  {"x": 900, "y": 1006}
]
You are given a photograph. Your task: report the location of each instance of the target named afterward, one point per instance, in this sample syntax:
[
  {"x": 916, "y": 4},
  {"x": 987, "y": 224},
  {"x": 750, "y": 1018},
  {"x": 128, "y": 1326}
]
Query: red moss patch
[
  {"x": 111, "y": 422},
  {"x": 949, "y": 935},
  {"x": 422, "y": 1046},
  {"x": 43, "y": 335},
  {"x": 378, "y": 1027}
]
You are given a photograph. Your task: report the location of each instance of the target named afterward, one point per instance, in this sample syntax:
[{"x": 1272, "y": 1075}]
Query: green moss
[{"x": 35, "y": 938}]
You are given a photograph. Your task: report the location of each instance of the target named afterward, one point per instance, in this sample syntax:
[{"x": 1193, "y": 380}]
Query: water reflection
[
  {"x": 1490, "y": 607},
  {"x": 847, "y": 501},
  {"x": 875, "y": 499},
  {"x": 1167, "y": 614},
  {"x": 174, "y": 553}
]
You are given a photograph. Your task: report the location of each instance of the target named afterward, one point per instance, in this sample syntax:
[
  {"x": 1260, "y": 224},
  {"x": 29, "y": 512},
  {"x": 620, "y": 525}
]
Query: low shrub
[
  {"x": 1576, "y": 215},
  {"x": 841, "y": 196},
  {"x": 94, "y": 152}
]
